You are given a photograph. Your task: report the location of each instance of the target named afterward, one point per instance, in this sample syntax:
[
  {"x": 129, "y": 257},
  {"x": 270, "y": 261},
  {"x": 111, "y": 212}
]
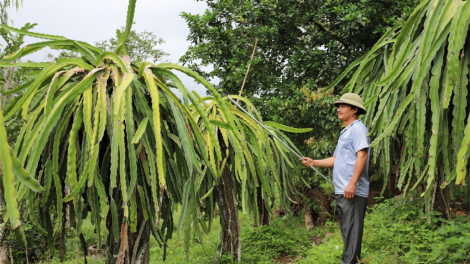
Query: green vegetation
[
  {"x": 415, "y": 81},
  {"x": 105, "y": 138},
  {"x": 96, "y": 148},
  {"x": 396, "y": 231},
  {"x": 299, "y": 48}
]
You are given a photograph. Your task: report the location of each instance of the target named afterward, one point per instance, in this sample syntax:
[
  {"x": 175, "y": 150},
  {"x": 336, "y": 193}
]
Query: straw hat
[{"x": 354, "y": 100}]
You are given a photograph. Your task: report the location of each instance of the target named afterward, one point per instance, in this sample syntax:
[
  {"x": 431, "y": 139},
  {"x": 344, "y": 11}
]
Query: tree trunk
[
  {"x": 263, "y": 213},
  {"x": 230, "y": 242},
  {"x": 135, "y": 247},
  {"x": 438, "y": 200},
  {"x": 309, "y": 217},
  {"x": 65, "y": 225},
  {"x": 442, "y": 203},
  {"x": 145, "y": 255}
]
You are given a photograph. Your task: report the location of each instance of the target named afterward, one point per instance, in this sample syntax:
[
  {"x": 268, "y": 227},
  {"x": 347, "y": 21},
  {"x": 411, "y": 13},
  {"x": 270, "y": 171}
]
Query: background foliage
[
  {"x": 140, "y": 46},
  {"x": 425, "y": 80}
]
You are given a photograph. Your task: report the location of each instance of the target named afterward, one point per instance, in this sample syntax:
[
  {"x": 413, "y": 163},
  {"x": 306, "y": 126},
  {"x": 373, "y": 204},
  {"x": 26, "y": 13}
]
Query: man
[{"x": 350, "y": 164}]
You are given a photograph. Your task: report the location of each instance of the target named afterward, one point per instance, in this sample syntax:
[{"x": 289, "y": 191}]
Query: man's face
[{"x": 345, "y": 112}]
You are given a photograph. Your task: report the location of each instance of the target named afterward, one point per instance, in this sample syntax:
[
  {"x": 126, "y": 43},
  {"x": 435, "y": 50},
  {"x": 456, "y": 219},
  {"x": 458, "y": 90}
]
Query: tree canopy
[
  {"x": 140, "y": 46},
  {"x": 298, "y": 42}
]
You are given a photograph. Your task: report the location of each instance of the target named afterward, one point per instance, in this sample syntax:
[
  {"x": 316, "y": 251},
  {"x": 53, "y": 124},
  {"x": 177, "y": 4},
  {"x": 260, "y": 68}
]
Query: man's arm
[
  {"x": 324, "y": 163},
  {"x": 361, "y": 161}
]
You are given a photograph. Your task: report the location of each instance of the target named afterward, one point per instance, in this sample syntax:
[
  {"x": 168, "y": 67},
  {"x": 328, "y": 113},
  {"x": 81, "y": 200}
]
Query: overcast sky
[{"x": 96, "y": 20}]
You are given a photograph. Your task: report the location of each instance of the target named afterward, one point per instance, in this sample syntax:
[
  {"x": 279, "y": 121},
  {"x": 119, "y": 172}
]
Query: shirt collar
[{"x": 350, "y": 125}]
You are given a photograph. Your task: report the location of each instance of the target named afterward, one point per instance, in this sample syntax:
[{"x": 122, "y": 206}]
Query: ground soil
[
  {"x": 460, "y": 207},
  {"x": 287, "y": 259}
]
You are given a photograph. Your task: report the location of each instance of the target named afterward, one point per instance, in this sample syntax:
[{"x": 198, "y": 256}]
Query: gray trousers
[{"x": 351, "y": 215}]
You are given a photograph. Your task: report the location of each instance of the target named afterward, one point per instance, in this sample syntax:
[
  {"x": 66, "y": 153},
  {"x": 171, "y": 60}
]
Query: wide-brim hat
[{"x": 354, "y": 100}]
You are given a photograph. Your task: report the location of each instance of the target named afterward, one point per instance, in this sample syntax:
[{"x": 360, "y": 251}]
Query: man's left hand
[{"x": 349, "y": 191}]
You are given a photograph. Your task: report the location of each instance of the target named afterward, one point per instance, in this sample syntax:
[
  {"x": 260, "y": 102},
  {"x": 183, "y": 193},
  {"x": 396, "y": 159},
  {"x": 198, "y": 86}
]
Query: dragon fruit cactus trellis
[
  {"x": 108, "y": 138},
  {"x": 415, "y": 83}
]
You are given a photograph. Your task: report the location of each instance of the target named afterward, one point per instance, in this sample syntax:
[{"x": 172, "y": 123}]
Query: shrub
[
  {"x": 400, "y": 231},
  {"x": 282, "y": 238},
  {"x": 396, "y": 231}
]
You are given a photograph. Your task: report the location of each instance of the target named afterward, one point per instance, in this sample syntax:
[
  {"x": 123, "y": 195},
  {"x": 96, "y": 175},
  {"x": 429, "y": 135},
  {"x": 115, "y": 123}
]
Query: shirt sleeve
[{"x": 360, "y": 140}]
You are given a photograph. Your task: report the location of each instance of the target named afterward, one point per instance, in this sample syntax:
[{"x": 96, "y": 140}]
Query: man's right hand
[
  {"x": 324, "y": 163},
  {"x": 307, "y": 162}
]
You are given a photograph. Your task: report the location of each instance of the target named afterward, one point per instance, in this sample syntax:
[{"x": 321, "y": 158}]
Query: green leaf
[
  {"x": 114, "y": 58},
  {"x": 126, "y": 81},
  {"x": 72, "y": 148},
  {"x": 130, "y": 20},
  {"x": 416, "y": 85},
  {"x": 87, "y": 113},
  {"x": 75, "y": 61},
  {"x": 198, "y": 78},
  {"x": 286, "y": 128},
  {"x": 130, "y": 130},
  {"x": 32, "y": 34},
  {"x": 81, "y": 183},
  {"x": 19, "y": 88},
  {"x": 140, "y": 131},
  {"x": 52, "y": 119},
  {"x": 26, "y": 64},
  {"x": 220, "y": 124},
  {"x": 348, "y": 69},
  {"x": 213, "y": 138},
  {"x": 24, "y": 176},
  {"x": 460, "y": 169},
  {"x": 436, "y": 110},
  {"x": 157, "y": 124},
  {"x": 459, "y": 30},
  {"x": 8, "y": 178}
]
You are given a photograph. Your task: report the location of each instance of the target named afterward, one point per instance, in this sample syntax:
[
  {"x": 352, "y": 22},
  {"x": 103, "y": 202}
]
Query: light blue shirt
[{"x": 353, "y": 138}]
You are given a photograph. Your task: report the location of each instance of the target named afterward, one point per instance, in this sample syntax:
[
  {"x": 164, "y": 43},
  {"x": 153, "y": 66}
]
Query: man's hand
[
  {"x": 349, "y": 191},
  {"x": 307, "y": 162},
  {"x": 324, "y": 163}
]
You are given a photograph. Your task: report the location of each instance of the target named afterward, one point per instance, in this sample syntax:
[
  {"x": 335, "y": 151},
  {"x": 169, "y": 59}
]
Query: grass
[
  {"x": 199, "y": 252},
  {"x": 396, "y": 231}
]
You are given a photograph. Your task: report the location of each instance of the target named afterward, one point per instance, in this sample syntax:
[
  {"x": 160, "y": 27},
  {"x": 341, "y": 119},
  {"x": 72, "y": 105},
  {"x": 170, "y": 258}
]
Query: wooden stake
[
  {"x": 122, "y": 250},
  {"x": 248, "y": 70},
  {"x": 11, "y": 256}
]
